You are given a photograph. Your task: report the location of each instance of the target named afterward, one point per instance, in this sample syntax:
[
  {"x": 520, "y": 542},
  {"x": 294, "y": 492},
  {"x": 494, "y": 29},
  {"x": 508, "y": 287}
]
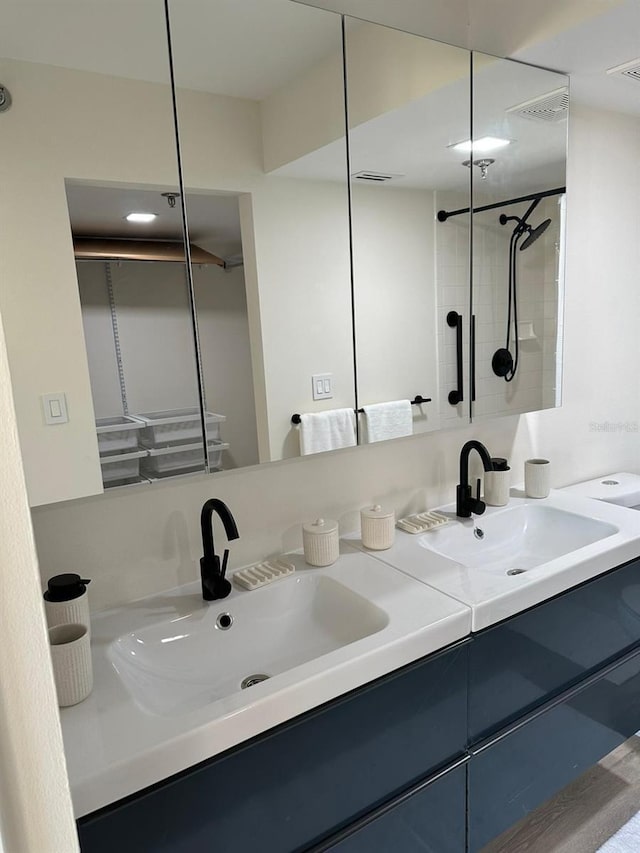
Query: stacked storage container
[
  {"x": 173, "y": 442},
  {"x": 120, "y": 454}
]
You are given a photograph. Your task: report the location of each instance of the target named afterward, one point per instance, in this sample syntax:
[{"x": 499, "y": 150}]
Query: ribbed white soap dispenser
[
  {"x": 321, "y": 542},
  {"x": 497, "y": 482},
  {"x": 377, "y": 527},
  {"x": 66, "y": 601}
]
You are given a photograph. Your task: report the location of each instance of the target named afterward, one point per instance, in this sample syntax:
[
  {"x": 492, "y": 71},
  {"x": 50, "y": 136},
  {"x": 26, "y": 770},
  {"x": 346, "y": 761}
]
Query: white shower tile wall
[{"x": 537, "y": 285}]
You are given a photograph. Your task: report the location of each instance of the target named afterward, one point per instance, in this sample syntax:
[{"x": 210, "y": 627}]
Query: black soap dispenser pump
[
  {"x": 66, "y": 600},
  {"x": 497, "y": 482}
]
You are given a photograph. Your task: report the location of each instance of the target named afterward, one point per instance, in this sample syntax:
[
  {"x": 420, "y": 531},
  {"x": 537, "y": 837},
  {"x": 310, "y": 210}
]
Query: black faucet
[
  {"x": 465, "y": 502},
  {"x": 214, "y": 583}
]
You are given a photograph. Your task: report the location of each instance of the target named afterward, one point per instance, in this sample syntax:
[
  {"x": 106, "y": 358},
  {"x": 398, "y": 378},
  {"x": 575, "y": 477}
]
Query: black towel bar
[{"x": 418, "y": 400}]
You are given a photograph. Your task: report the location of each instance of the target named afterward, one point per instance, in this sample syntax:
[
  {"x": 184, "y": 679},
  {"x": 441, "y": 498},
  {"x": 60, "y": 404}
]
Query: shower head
[{"x": 534, "y": 233}]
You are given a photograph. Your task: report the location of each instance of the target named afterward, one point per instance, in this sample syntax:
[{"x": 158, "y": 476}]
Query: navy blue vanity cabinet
[
  {"x": 521, "y": 663},
  {"x": 515, "y": 771},
  {"x": 302, "y": 782},
  {"x": 430, "y": 818}
]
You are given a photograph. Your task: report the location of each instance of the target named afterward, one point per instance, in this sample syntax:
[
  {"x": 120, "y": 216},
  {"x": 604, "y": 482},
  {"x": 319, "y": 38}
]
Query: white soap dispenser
[
  {"x": 497, "y": 482},
  {"x": 66, "y": 601}
]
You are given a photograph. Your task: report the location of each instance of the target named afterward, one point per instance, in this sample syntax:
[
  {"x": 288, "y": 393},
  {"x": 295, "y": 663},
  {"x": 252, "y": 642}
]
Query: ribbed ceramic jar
[
  {"x": 321, "y": 542},
  {"x": 71, "y": 659},
  {"x": 377, "y": 527},
  {"x": 537, "y": 478}
]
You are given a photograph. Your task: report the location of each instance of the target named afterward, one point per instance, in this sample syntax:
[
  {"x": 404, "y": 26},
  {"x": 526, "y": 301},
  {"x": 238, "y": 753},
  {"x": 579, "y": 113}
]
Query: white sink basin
[
  {"x": 188, "y": 662},
  {"x": 167, "y": 683},
  {"x": 621, "y": 488},
  {"x": 531, "y": 550},
  {"x": 516, "y": 539}
]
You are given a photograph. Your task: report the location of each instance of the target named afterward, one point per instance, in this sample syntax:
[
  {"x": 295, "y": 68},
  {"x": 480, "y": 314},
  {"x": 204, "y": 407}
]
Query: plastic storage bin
[
  {"x": 178, "y": 426},
  {"x": 121, "y": 466},
  {"x": 118, "y": 433},
  {"x": 183, "y": 458}
]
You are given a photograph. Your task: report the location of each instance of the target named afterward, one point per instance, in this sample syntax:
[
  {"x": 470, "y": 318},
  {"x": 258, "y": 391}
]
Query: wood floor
[{"x": 583, "y": 815}]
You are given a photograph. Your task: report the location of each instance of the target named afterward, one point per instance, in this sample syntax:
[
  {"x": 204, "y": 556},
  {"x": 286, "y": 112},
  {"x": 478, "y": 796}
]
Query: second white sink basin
[
  {"x": 531, "y": 550},
  {"x": 516, "y": 539},
  {"x": 191, "y": 661}
]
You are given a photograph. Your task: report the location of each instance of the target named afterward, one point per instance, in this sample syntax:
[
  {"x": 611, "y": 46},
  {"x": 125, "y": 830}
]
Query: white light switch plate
[
  {"x": 322, "y": 386},
  {"x": 55, "y": 408}
]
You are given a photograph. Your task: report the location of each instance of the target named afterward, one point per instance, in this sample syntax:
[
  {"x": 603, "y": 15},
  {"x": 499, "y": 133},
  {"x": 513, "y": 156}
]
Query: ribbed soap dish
[
  {"x": 263, "y": 573},
  {"x": 422, "y": 521}
]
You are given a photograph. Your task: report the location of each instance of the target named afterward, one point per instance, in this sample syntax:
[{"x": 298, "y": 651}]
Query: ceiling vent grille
[
  {"x": 376, "y": 177},
  {"x": 551, "y": 107},
  {"x": 629, "y": 70}
]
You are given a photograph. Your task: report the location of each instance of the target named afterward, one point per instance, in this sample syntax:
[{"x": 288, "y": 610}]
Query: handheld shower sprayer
[{"x": 503, "y": 363}]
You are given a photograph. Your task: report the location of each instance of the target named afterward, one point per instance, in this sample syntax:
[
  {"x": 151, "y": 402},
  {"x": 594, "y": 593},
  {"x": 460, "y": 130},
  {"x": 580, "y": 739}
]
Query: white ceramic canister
[
  {"x": 66, "y": 600},
  {"x": 71, "y": 659},
  {"x": 497, "y": 482},
  {"x": 537, "y": 478},
  {"x": 321, "y": 542},
  {"x": 377, "y": 527}
]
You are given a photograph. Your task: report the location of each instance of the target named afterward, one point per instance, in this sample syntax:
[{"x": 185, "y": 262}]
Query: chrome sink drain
[
  {"x": 250, "y": 680},
  {"x": 516, "y": 571}
]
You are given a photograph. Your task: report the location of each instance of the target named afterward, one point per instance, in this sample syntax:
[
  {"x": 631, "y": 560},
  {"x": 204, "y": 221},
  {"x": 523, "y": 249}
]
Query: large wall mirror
[
  {"x": 408, "y": 108},
  {"x": 260, "y": 108},
  {"x": 318, "y": 261},
  {"x": 519, "y": 174}
]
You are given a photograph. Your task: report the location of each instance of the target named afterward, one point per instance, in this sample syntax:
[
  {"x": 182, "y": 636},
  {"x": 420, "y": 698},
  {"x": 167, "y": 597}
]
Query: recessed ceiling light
[
  {"x": 482, "y": 145},
  {"x": 141, "y": 217}
]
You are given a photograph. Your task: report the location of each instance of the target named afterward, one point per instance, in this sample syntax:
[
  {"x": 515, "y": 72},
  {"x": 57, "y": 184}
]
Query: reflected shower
[{"x": 505, "y": 364}]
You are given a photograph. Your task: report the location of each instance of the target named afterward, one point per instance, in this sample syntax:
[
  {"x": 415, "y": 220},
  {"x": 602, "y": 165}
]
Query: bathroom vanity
[{"x": 410, "y": 718}]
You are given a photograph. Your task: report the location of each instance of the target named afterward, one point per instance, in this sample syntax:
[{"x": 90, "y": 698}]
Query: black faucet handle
[
  {"x": 478, "y": 489},
  {"x": 225, "y": 560}
]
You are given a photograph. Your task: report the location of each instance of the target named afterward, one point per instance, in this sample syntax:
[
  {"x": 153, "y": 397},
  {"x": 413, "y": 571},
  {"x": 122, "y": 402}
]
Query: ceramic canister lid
[
  {"x": 376, "y": 511},
  {"x": 321, "y": 526}
]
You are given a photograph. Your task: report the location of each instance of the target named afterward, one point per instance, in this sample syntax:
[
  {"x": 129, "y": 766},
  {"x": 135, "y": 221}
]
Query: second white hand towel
[
  {"x": 328, "y": 430},
  {"x": 388, "y": 420}
]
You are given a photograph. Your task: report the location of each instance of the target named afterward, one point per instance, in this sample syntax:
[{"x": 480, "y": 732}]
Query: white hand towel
[
  {"x": 328, "y": 430},
  {"x": 388, "y": 420}
]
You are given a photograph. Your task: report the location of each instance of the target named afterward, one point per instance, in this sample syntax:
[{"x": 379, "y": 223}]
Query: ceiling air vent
[
  {"x": 629, "y": 70},
  {"x": 376, "y": 177},
  {"x": 550, "y": 107}
]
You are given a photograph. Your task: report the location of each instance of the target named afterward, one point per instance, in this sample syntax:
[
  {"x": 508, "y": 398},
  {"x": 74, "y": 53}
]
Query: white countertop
[
  {"x": 115, "y": 748},
  {"x": 493, "y": 597}
]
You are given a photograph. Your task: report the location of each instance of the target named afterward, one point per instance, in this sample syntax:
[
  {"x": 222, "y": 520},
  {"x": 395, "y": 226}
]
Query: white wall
[
  {"x": 35, "y": 802},
  {"x": 152, "y": 307},
  {"x": 395, "y": 298},
  {"x": 161, "y": 546},
  {"x": 226, "y": 359}
]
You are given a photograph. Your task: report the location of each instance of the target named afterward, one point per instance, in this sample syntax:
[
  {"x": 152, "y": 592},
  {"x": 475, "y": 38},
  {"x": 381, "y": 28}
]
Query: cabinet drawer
[
  {"x": 514, "y": 773},
  {"x": 520, "y": 664},
  {"x": 305, "y": 780},
  {"x": 430, "y": 819}
]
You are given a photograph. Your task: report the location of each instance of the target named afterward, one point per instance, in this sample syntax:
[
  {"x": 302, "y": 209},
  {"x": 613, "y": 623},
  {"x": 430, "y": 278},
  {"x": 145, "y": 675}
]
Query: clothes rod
[
  {"x": 443, "y": 215},
  {"x": 417, "y": 401}
]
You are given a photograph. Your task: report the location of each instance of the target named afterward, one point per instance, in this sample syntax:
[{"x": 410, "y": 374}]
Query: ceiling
[
  {"x": 588, "y": 50},
  {"x": 244, "y": 49},
  {"x": 249, "y": 49},
  {"x": 100, "y": 211},
  {"x": 397, "y": 140}
]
